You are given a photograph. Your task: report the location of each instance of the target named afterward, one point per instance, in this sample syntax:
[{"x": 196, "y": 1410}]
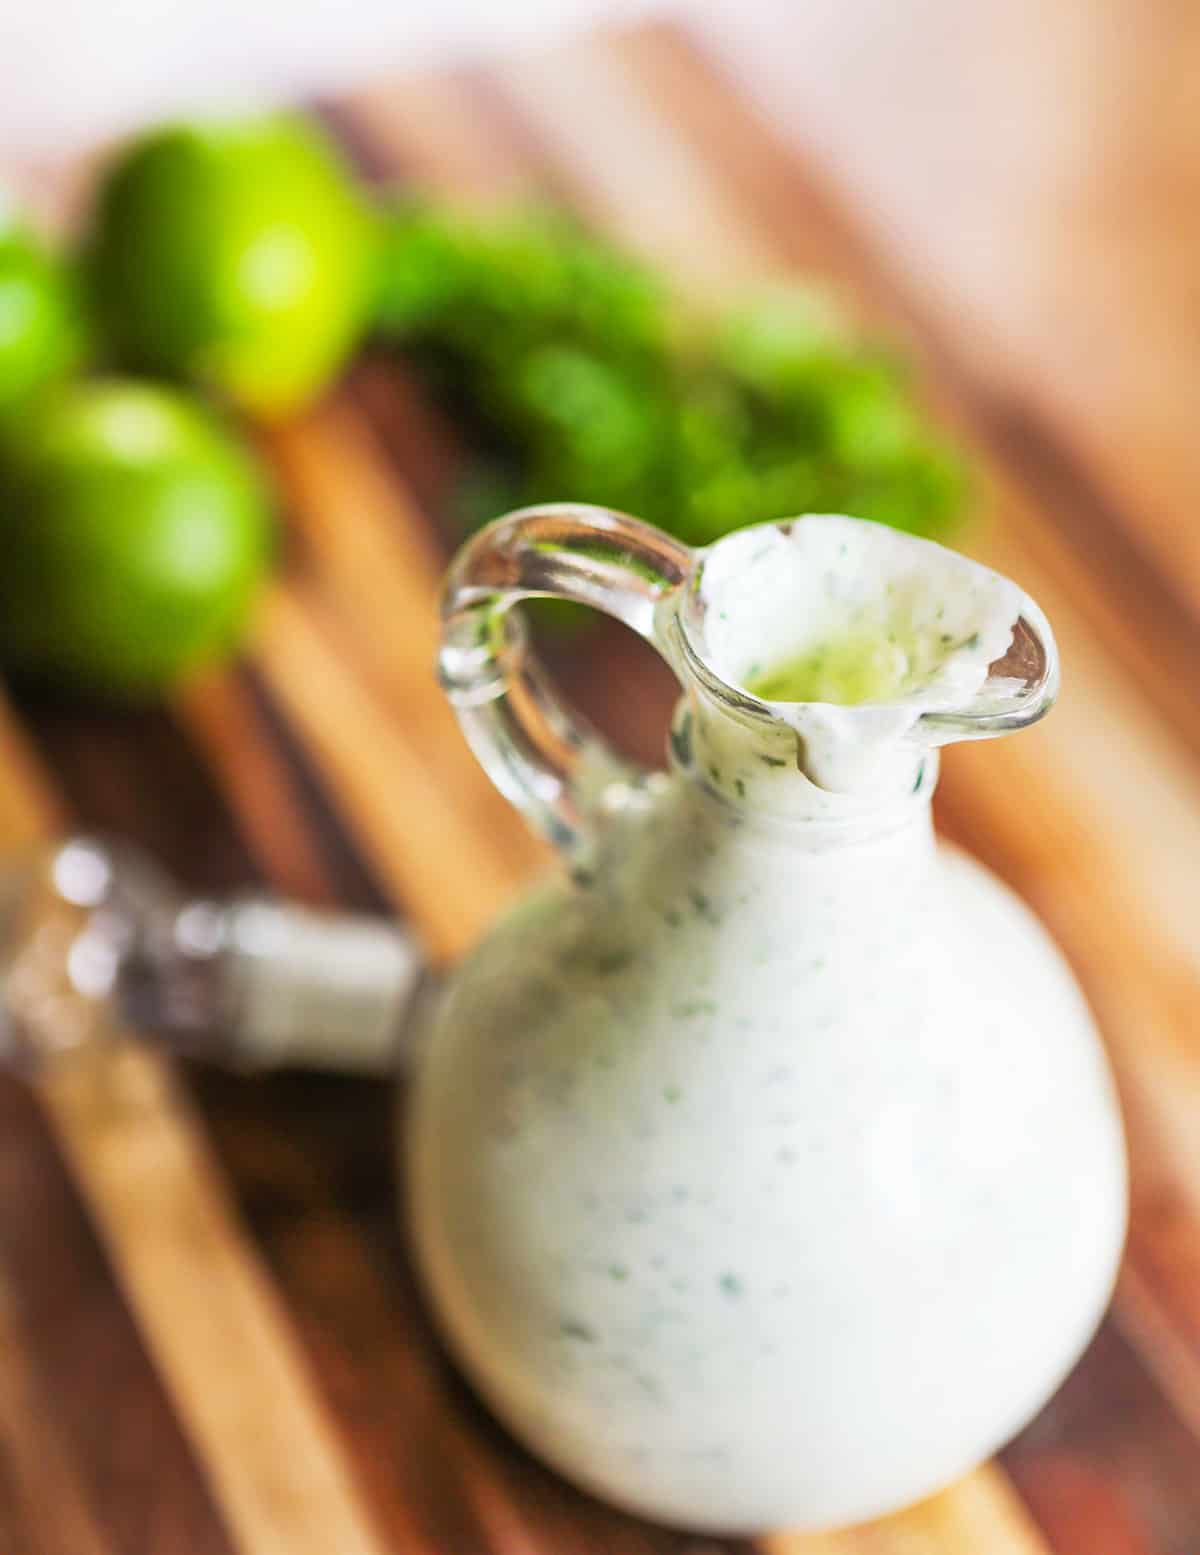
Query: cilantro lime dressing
[
  {"x": 768, "y": 1172},
  {"x": 862, "y": 667}
]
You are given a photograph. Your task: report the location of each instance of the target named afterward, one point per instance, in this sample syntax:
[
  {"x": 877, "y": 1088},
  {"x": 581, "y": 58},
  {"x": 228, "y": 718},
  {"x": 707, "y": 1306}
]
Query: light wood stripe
[
  {"x": 631, "y": 174},
  {"x": 29, "y": 811},
  {"x": 423, "y": 124},
  {"x": 194, "y": 1283},
  {"x": 404, "y": 815},
  {"x": 981, "y": 1515},
  {"x": 374, "y": 560}
]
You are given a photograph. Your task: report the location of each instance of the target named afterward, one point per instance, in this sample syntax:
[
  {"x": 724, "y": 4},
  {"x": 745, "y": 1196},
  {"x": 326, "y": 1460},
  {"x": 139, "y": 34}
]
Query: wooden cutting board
[{"x": 209, "y": 1337}]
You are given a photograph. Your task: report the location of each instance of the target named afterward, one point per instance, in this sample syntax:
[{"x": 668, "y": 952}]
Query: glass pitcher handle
[{"x": 541, "y": 756}]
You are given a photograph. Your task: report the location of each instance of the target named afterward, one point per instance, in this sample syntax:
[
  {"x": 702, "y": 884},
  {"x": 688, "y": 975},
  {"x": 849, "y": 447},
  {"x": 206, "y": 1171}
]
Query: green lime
[
  {"x": 239, "y": 255},
  {"x": 134, "y": 531},
  {"x": 40, "y": 338}
]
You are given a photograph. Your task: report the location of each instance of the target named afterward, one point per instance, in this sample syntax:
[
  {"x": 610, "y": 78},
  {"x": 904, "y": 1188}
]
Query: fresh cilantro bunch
[{"x": 577, "y": 374}]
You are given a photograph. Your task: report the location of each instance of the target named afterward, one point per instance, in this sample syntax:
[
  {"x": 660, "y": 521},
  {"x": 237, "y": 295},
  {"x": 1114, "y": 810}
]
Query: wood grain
[
  {"x": 100, "y": 1455},
  {"x": 451, "y": 888},
  {"x": 223, "y": 717},
  {"x": 210, "y": 1320},
  {"x": 42, "y": 1505},
  {"x": 377, "y": 563},
  {"x": 221, "y": 1338},
  {"x": 979, "y": 1514}
]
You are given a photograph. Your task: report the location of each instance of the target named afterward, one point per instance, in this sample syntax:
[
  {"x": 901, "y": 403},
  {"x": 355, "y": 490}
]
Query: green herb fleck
[
  {"x": 618, "y": 1271},
  {"x": 606, "y": 962},
  {"x": 690, "y": 1007},
  {"x": 730, "y": 1285},
  {"x": 681, "y": 740},
  {"x": 572, "y": 1328},
  {"x": 671, "y": 1093},
  {"x": 740, "y": 786},
  {"x": 771, "y": 761}
]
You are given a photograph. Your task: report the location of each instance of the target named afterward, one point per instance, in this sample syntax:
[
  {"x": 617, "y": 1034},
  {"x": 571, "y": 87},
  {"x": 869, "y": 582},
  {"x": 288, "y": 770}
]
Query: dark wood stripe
[
  {"x": 349, "y": 877},
  {"x": 1107, "y": 1466},
  {"x": 133, "y": 772},
  {"x": 96, "y": 1383},
  {"x": 43, "y": 1504},
  {"x": 1081, "y": 1509},
  {"x": 415, "y": 437}
]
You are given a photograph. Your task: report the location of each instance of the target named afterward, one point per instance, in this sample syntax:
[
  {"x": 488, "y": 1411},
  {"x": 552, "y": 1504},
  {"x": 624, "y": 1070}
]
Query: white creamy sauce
[{"x": 772, "y": 1175}]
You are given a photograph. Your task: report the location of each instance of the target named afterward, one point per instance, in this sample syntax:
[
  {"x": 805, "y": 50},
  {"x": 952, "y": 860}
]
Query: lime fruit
[
  {"x": 134, "y": 531},
  {"x": 40, "y": 337},
  {"x": 239, "y": 255}
]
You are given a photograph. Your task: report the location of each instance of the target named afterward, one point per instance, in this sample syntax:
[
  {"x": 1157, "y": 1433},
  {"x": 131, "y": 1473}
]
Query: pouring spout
[{"x": 865, "y": 643}]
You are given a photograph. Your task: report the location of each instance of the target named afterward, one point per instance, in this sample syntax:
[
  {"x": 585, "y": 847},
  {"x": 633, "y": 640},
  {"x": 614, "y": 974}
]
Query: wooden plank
[
  {"x": 1109, "y": 1448},
  {"x": 319, "y": 1199},
  {"x": 376, "y": 563},
  {"x": 100, "y": 1455},
  {"x": 209, "y": 1315},
  {"x": 424, "y": 846},
  {"x": 220, "y": 712},
  {"x": 1083, "y": 1509},
  {"x": 419, "y": 127},
  {"x": 980, "y": 1514},
  {"x": 646, "y": 187},
  {"x": 205, "y": 1309},
  {"x": 42, "y": 1506},
  {"x": 29, "y": 811}
]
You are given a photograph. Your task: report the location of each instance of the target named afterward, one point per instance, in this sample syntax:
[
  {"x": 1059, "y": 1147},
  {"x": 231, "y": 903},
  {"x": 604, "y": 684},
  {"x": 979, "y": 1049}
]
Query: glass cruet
[{"x": 764, "y": 1166}]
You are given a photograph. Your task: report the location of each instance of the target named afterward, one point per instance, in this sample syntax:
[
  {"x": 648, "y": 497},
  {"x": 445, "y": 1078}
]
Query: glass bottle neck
[{"x": 754, "y": 767}]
